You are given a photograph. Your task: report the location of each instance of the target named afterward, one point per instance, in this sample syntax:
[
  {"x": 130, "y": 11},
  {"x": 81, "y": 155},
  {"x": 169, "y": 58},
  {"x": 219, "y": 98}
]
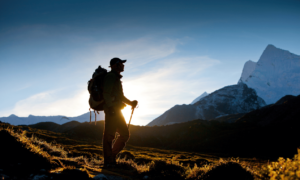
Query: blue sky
[{"x": 175, "y": 50}]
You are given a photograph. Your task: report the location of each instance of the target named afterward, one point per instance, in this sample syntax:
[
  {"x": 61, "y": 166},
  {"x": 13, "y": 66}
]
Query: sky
[{"x": 175, "y": 50}]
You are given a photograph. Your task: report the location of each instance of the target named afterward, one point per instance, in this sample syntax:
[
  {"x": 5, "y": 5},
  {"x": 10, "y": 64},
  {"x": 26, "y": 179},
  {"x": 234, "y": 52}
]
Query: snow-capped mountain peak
[
  {"x": 227, "y": 100},
  {"x": 276, "y": 74},
  {"x": 199, "y": 98}
]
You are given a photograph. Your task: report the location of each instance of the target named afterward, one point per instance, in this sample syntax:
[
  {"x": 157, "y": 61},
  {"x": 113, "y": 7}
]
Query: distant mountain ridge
[{"x": 15, "y": 120}]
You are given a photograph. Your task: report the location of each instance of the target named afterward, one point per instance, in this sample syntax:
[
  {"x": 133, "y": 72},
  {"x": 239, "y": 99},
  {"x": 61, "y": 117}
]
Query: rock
[
  {"x": 140, "y": 161},
  {"x": 146, "y": 177},
  {"x": 3, "y": 176},
  {"x": 126, "y": 155},
  {"x": 100, "y": 177},
  {"x": 72, "y": 174},
  {"x": 230, "y": 170},
  {"x": 40, "y": 177}
]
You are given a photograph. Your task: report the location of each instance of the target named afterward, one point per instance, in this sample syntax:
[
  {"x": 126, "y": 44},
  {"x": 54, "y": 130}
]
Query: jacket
[{"x": 113, "y": 91}]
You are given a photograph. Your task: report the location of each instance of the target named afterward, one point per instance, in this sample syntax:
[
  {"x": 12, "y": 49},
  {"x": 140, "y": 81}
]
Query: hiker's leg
[
  {"x": 108, "y": 137},
  {"x": 123, "y": 134},
  {"x": 107, "y": 147}
]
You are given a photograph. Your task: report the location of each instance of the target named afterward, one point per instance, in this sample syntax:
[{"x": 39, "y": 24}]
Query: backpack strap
[
  {"x": 95, "y": 116},
  {"x": 90, "y": 115}
]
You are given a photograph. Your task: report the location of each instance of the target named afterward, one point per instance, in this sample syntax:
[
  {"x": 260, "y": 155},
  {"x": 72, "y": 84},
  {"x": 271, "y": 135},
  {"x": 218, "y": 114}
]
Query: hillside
[
  {"x": 256, "y": 137},
  {"x": 60, "y": 158},
  {"x": 245, "y": 138},
  {"x": 254, "y": 134}
]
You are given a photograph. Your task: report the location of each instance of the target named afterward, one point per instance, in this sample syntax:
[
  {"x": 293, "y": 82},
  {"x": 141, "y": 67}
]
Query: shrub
[
  {"x": 126, "y": 155},
  {"x": 164, "y": 170},
  {"x": 229, "y": 170},
  {"x": 284, "y": 168}
]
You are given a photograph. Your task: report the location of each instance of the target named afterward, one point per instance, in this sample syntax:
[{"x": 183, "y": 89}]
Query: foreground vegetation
[{"x": 61, "y": 154}]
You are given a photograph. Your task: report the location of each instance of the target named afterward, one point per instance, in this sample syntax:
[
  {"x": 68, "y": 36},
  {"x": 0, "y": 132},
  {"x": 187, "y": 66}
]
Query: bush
[
  {"x": 164, "y": 170},
  {"x": 229, "y": 170},
  {"x": 284, "y": 168}
]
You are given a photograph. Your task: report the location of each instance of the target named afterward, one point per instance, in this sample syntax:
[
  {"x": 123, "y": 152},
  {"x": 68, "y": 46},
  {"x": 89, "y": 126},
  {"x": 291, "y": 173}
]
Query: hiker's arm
[
  {"x": 125, "y": 100},
  {"x": 107, "y": 89}
]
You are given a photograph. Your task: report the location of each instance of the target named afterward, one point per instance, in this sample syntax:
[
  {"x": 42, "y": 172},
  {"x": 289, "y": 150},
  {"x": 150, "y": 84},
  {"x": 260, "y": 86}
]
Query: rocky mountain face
[
  {"x": 177, "y": 114},
  {"x": 15, "y": 120},
  {"x": 276, "y": 74},
  {"x": 228, "y": 100}
]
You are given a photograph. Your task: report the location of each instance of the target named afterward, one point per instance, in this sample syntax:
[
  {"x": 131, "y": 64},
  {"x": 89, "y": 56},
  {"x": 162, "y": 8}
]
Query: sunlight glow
[{"x": 126, "y": 113}]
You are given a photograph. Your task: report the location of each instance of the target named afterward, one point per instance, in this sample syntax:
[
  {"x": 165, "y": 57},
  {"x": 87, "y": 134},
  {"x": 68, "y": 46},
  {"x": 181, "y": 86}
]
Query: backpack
[{"x": 95, "y": 88}]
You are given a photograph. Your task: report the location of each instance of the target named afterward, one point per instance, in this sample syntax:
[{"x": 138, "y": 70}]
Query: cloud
[
  {"x": 138, "y": 52},
  {"x": 52, "y": 103}
]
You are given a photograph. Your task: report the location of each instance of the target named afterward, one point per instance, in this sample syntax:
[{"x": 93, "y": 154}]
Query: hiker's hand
[
  {"x": 134, "y": 104},
  {"x": 111, "y": 111}
]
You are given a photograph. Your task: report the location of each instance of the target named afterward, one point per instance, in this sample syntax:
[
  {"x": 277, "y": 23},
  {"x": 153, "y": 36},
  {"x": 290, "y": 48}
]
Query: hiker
[{"x": 114, "y": 100}]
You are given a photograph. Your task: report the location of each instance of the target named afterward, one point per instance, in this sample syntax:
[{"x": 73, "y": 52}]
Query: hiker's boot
[
  {"x": 110, "y": 163},
  {"x": 107, "y": 149}
]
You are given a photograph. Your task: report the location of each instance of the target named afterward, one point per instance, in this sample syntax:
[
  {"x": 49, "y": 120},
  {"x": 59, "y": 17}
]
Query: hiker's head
[{"x": 117, "y": 64}]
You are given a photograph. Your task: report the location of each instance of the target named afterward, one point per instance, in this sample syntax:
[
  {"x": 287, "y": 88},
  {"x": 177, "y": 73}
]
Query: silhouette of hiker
[{"x": 114, "y": 121}]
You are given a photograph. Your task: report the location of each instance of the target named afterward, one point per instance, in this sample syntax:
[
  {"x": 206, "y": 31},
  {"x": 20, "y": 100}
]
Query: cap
[{"x": 114, "y": 61}]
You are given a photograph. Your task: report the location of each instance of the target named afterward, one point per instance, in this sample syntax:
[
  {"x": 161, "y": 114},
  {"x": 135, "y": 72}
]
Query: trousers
[{"x": 114, "y": 123}]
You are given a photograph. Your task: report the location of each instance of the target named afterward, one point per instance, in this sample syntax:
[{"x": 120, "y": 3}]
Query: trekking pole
[{"x": 130, "y": 117}]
